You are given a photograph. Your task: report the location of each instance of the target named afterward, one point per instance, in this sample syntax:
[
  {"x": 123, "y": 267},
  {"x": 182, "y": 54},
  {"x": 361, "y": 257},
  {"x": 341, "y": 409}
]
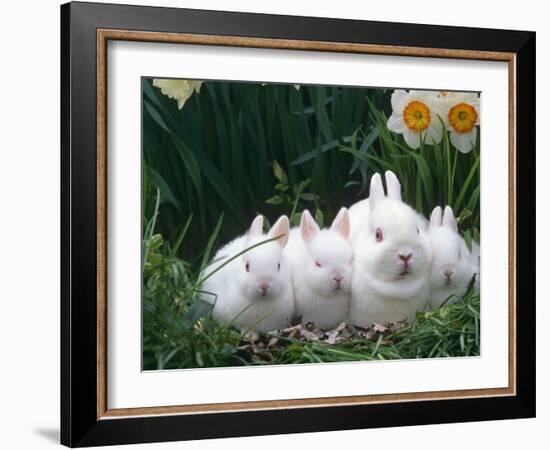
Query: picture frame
[{"x": 86, "y": 29}]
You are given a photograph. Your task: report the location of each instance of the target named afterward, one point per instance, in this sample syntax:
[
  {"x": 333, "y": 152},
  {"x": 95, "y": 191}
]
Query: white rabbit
[
  {"x": 320, "y": 262},
  {"x": 359, "y": 212},
  {"x": 452, "y": 268},
  {"x": 476, "y": 261},
  {"x": 253, "y": 291},
  {"x": 392, "y": 258}
]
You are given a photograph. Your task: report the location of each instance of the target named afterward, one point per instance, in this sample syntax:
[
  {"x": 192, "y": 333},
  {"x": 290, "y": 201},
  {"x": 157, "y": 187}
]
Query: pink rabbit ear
[
  {"x": 393, "y": 186},
  {"x": 281, "y": 228},
  {"x": 340, "y": 224},
  {"x": 435, "y": 218},
  {"x": 308, "y": 226},
  {"x": 449, "y": 220},
  {"x": 376, "y": 192},
  {"x": 256, "y": 229}
]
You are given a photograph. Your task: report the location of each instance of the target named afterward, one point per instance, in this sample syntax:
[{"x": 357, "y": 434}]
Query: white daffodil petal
[
  {"x": 425, "y": 96},
  {"x": 470, "y": 98},
  {"x": 179, "y": 90},
  {"x": 440, "y": 112},
  {"x": 434, "y": 133},
  {"x": 476, "y": 107},
  {"x": 412, "y": 138},
  {"x": 464, "y": 142},
  {"x": 396, "y": 124},
  {"x": 399, "y": 99}
]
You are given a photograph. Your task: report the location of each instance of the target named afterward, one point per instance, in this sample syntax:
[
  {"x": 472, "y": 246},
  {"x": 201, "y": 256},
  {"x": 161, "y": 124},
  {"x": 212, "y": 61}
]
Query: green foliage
[
  {"x": 294, "y": 198},
  {"x": 216, "y": 154}
]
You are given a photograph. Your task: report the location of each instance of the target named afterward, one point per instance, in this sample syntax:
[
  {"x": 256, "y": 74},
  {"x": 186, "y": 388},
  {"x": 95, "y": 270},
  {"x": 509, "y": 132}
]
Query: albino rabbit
[
  {"x": 476, "y": 261},
  {"x": 320, "y": 262},
  {"x": 359, "y": 212},
  {"x": 392, "y": 258},
  {"x": 253, "y": 291},
  {"x": 452, "y": 268}
]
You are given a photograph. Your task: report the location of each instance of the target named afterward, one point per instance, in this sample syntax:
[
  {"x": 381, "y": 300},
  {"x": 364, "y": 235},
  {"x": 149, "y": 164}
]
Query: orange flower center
[
  {"x": 417, "y": 116},
  {"x": 462, "y": 117}
]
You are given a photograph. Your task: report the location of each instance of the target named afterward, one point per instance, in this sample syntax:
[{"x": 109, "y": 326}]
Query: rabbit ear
[
  {"x": 340, "y": 224},
  {"x": 376, "y": 192},
  {"x": 281, "y": 228},
  {"x": 393, "y": 186},
  {"x": 256, "y": 229},
  {"x": 308, "y": 226},
  {"x": 435, "y": 218},
  {"x": 449, "y": 220}
]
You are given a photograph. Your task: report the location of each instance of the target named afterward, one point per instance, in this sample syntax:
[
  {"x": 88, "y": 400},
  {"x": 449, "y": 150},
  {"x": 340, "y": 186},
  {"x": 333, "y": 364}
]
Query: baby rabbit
[
  {"x": 452, "y": 268},
  {"x": 392, "y": 258},
  {"x": 476, "y": 261},
  {"x": 253, "y": 291},
  {"x": 320, "y": 262},
  {"x": 359, "y": 212}
]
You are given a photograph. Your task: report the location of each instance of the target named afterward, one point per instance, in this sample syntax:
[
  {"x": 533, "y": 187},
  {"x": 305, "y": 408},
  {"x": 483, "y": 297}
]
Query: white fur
[
  {"x": 382, "y": 290},
  {"x": 317, "y": 259},
  {"x": 238, "y": 296},
  {"x": 476, "y": 261},
  {"x": 450, "y": 255}
]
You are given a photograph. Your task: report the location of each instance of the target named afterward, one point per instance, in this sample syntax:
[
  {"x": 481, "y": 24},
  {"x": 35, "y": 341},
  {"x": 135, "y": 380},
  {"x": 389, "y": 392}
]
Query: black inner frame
[{"x": 79, "y": 424}]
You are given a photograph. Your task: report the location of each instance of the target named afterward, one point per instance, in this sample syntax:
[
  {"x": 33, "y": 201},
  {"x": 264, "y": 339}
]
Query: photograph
[{"x": 295, "y": 223}]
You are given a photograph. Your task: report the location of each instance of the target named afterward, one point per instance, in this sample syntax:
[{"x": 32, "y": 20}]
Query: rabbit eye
[
  {"x": 379, "y": 235},
  {"x": 417, "y": 230},
  {"x": 247, "y": 267},
  {"x": 317, "y": 264},
  {"x": 278, "y": 267},
  {"x": 459, "y": 255}
]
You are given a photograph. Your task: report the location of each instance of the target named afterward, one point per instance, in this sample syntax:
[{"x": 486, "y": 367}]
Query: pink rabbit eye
[
  {"x": 378, "y": 235},
  {"x": 247, "y": 267},
  {"x": 278, "y": 267},
  {"x": 317, "y": 264}
]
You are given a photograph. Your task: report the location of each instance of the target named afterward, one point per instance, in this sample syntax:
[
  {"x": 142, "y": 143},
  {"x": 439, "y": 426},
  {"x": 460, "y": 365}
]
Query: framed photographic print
[{"x": 276, "y": 224}]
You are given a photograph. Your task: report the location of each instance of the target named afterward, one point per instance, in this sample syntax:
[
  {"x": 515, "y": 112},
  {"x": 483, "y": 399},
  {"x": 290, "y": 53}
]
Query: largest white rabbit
[
  {"x": 391, "y": 257},
  {"x": 320, "y": 262},
  {"x": 253, "y": 291}
]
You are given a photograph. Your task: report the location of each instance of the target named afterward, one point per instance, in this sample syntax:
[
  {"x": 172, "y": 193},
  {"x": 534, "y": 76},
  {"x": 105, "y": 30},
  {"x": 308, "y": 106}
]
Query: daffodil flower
[
  {"x": 414, "y": 116},
  {"x": 460, "y": 112},
  {"x": 179, "y": 90}
]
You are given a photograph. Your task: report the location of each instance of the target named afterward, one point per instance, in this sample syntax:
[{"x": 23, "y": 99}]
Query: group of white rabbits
[{"x": 379, "y": 262}]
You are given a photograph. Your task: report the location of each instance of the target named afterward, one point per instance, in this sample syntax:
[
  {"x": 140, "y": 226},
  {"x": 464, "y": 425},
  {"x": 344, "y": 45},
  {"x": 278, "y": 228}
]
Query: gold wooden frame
[{"x": 103, "y": 36}]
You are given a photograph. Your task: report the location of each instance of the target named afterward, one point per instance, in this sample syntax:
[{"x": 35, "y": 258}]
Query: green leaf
[
  {"x": 275, "y": 200},
  {"x": 163, "y": 187},
  {"x": 183, "y": 232},
  {"x": 319, "y": 217},
  {"x": 198, "y": 309},
  {"x": 279, "y": 173},
  {"x": 309, "y": 197},
  {"x": 281, "y": 187},
  {"x": 155, "y": 116},
  {"x": 211, "y": 242},
  {"x": 191, "y": 165},
  {"x": 466, "y": 184}
]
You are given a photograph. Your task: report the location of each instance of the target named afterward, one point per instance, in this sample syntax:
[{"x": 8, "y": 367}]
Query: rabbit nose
[
  {"x": 405, "y": 258},
  {"x": 263, "y": 286},
  {"x": 448, "y": 274},
  {"x": 337, "y": 277}
]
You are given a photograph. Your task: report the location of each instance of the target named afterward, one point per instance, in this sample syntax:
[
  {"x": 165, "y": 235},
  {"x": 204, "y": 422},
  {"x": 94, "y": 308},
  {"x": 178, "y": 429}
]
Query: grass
[{"x": 240, "y": 149}]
